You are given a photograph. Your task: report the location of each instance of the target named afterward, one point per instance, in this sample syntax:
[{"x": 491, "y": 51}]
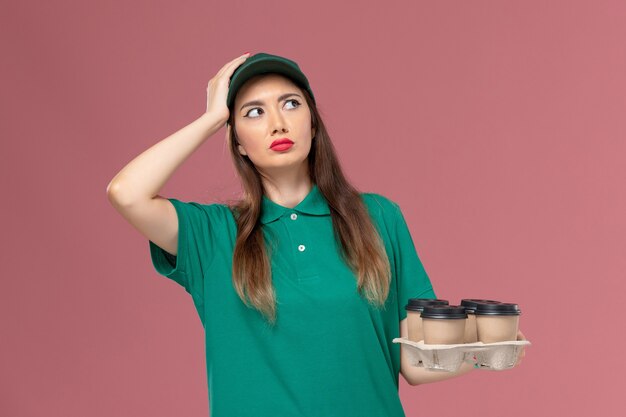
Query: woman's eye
[
  {"x": 295, "y": 101},
  {"x": 251, "y": 110},
  {"x": 258, "y": 108}
]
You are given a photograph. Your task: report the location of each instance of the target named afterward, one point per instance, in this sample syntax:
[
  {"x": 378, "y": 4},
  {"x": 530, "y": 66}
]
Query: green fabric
[{"x": 330, "y": 353}]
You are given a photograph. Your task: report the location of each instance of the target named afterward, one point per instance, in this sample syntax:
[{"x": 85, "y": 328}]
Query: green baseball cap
[{"x": 262, "y": 63}]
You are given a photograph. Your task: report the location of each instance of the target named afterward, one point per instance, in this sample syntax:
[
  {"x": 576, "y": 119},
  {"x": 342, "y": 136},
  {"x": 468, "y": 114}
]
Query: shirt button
[
  {"x": 294, "y": 216},
  {"x": 301, "y": 248}
]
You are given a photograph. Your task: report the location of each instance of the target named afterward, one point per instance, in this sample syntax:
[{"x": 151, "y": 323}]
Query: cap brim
[{"x": 261, "y": 66}]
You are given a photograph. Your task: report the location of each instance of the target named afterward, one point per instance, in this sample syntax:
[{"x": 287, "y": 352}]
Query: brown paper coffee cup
[
  {"x": 497, "y": 322},
  {"x": 444, "y": 324},
  {"x": 414, "y": 310},
  {"x": 470, "y": 304}
]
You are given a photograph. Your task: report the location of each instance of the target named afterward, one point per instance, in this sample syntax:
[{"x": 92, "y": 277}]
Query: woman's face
[{"x": 267, "y": 108}]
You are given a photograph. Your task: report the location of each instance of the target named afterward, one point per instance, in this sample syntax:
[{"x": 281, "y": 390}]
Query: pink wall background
[{"x": 498, "y": 127}]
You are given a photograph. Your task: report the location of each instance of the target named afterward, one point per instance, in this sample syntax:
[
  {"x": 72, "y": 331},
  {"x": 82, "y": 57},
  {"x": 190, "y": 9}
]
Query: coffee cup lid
[
  {"x": 444, "y": 312},
  {"x": 417, "y": 304},
  {"x": 498, "y": 309},
  {"x": 471, "y": 303}
]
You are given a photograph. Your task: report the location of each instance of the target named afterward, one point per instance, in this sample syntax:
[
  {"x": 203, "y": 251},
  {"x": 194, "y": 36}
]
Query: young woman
[{"x": 301, "y": 285}]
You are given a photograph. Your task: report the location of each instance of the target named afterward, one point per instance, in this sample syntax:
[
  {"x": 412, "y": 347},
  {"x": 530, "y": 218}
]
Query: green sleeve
[
  {"x": 184, "y": 268},
  {"x": 411, "y": 278}
]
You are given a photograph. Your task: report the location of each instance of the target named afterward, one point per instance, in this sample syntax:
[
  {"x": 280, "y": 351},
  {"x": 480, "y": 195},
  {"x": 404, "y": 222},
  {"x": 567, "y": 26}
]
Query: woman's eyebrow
[{"x": 260, "y": 103}]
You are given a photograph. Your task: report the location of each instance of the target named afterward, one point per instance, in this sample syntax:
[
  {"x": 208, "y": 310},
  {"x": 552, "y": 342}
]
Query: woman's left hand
[{"x": 520, "y": 355}]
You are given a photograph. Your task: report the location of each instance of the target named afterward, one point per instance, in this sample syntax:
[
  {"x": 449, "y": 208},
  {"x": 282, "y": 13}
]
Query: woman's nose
[{"x": 277, "y": 121}]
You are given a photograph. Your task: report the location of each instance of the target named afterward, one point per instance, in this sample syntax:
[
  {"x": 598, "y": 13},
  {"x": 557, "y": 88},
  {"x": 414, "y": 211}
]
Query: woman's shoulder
[
  {"x": 215, "y": 207},
  {"x": 214, "y": 212},
  {"x": 380, "y": 204}
]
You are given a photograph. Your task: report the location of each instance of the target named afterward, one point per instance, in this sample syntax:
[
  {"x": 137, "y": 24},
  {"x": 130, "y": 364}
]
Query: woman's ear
[{"x": 230, "y": 136}]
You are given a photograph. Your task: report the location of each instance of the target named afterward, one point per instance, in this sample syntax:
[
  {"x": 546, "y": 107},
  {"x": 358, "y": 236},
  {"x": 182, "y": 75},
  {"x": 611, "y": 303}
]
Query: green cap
[{"x": 262, "y": 63}]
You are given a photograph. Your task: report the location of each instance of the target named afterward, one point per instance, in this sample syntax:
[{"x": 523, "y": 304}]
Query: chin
[{"x": 286, "y": 161}]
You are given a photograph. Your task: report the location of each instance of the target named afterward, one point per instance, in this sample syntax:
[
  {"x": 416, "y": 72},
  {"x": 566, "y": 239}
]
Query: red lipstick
[{"x": 281, "y": 144}]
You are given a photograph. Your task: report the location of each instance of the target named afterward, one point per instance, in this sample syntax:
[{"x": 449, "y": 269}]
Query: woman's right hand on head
[{"x": 217, "y": 90}]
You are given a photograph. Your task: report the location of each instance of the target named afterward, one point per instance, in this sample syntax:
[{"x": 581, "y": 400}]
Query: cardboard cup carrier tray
[{"x": 448, "y": 358}]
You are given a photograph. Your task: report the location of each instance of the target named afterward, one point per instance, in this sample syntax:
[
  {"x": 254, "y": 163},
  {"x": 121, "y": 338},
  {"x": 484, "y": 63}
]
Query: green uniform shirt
[{"x": 330, "y": 353}]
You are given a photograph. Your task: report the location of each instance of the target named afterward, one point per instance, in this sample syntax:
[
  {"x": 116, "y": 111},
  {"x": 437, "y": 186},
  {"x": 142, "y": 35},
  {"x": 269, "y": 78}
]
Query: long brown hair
[{"x": 361, "y": 246}]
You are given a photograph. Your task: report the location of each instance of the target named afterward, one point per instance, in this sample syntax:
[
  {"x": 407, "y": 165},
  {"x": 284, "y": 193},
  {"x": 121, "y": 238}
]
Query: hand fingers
[
  {"x": 228, "y": 64},
  {"x": 232, "y": 65}
]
